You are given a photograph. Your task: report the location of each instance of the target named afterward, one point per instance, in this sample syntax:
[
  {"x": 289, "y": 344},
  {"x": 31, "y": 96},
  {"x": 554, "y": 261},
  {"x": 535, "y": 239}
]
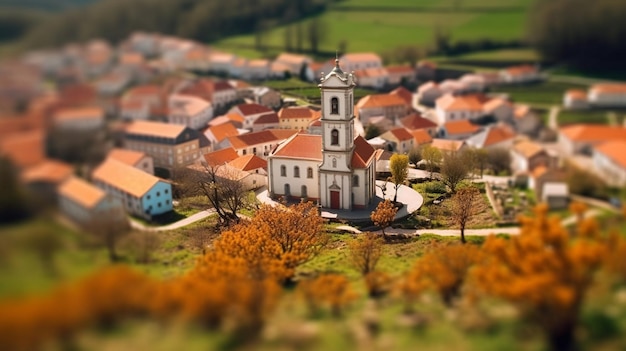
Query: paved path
[
  {"x": 553, "y": 122},
  {"x": 183, "y": 222}
]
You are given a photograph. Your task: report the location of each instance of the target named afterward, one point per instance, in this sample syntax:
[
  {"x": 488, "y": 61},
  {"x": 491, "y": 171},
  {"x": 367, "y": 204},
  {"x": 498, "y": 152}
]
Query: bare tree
[
  {"x": 499, "y": 160},
  {"x": 365, "y": 252},
  {"x": 432, "y": 157},
  {"x": 142, "y": 245},
  {"x": 465, "y": 204},
  {"x": 415, "y": 155},
  {"x": 454, "y": 168},
  {"x": 109, "y": 229}
]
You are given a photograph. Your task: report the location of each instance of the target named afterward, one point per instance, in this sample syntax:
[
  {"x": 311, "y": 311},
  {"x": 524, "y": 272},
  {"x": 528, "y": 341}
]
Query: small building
[
  {"x": 360, "y": 60},
  {"x": 428, "y": 93},
  {"x": 445, "y": 145},
  {"x": 415, "y": 121},
  {"x": 373, "y": 78},
  {"x": 294, "y": 63},
  {"x": 266, "y": 122},
  {"x": 458, "y": 130},
  {"x": 217, "y": 135},
  {"x": 298, "y": 118},
  {"x": 84, "y": 203},
  {"x": 453, "y": 108},
  {"x": 250, "y": 113},
  {"x": 190, "y": 111},
  {"x": 133, "y": 158},
  {"x": 400, "y": 140},
  {"x": 421, "y": 137},
  {"x": 42, "y": 180},
  {"x": 492, "y": 137},
  {"x": 607, "y": 95},
  {"x": 525, "y": 121},
  {"x": 609, "y": 160},
  {"x": 264, "y": 96},
  {"x": 388, "y": 105},
  {"x": 521, "y": 74},
  {"x": 401, "y": 74},
  {"x": 556, "y": 195},
  {"x": 575, "y": 99},
  {"x": 527, "y": 155},
  {"x": 142, "y": 194},
  {"x": 258, "y": 143},
  {"x": 81, "y": 119},
  {"x": 581, "y": 138},
  {"x": 404, "y": 93},
  {"x": 542, "y": 175},
  {"x": 500, "y": 109}
]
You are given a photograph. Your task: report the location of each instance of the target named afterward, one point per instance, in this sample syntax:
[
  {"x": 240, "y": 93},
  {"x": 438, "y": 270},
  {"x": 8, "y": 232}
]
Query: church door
[{"x": 334, "y": 199}]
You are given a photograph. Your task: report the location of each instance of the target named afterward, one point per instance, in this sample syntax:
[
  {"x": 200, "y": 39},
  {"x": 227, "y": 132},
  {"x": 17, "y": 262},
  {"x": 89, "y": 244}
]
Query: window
[
  {"x": 334, "y": 163},
  {"x": 309, "y": 172},
  {"x": 334, "y": 137},
  {"x": 159, "y": 204},
  {"x": 334, "y": 106},
  {"x": 283, "y": 171},
  {"x": 167, "y": 191},
  {"x": 355, "y": 180},
  {"x": 167, "y": 202},
  {"x": 148, "y": 197},
  {"x": 244, "y": 151},
  {"x": 303, "y": 191},
  {"x": 296, "y": 172},
  {"x": 254, "y": 150},
  {"x": 158, "y": 193}
]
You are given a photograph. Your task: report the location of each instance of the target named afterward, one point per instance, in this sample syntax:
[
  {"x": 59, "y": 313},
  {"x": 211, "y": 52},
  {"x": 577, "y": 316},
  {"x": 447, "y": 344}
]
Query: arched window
[
  {"x": 334, "y": 163},
  {"x": 309, "y": 172},
  {"x": 283, "y": 171},
  {"x": 334, "y": 137},
  {"x": 296, "y": 172},
  {"x": 303, "y": 191},
  {"x": 355, "y": 180},
  {"x": 287, "y": 190},
  {"x": 334, "y": 106}
]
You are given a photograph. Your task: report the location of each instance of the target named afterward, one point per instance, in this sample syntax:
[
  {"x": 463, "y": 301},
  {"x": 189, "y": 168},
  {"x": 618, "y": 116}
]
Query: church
[{"x": 335, "y": 169}]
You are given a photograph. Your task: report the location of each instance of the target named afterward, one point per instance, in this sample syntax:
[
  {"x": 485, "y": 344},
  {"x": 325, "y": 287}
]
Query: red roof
[
  {"x": 460, "y": 127},
  {"x": 248, "y": 163},
  {"x": 421, "y": 136},
  {"x": 498, "y": 134},
  {"x": 270, "y": 118},
  {"x": 401, "y": 134},
  {"x": 296, "y": 112},
  {"x": 403, "y": 93},
  {"x": 380, "y": 100},
  {"x": 615, "y": 150},
  {"x": 301, "y": 146},
  {"x": 223, "y": 131},
  {"x": 450, "y": 102},
  {"x": 593, "y": 132},
  {"x": 220, "y": 157},
  {"x": 253, "y": 109},
  {"x": 262, "y": 137},
  {"x": 363, "y": 153},
  {"x": 415, "y": 121}
]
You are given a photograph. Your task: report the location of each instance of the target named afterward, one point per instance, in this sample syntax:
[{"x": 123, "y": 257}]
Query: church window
[
  {"x": 334, "y": 106},
  {"x": 309, "y": 172},
  {"x": 355, "y": 180},
  {"x": 334, "y": 163},
  {"x": 334, "y": 137},
  {"x": 283, "y": 171},
  {"x": 296, "y": 172},
  {"x": 303, "y": 191}
]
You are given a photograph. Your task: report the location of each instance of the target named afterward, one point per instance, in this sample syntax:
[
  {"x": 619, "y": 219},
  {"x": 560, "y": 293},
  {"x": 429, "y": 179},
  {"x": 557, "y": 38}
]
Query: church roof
[
  {"x": 301, "y": 146},
  {"x": 363, "y": 153}
]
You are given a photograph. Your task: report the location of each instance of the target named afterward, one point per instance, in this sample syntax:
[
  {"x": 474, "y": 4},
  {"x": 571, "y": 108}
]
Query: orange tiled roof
[
  {"x": 528, "y": 148},
  {"x": 253, "y": 109},
  {"x": 415, "y": 121},
  {"x": 401, "y": 134},
  {"x": 127, "y": 178},
  {"x": 361, "y": 56},
  {"x": 262, "y": 137},
  {"x": 609, "y": 88},
  {"x": 498, "y": 134},
  {"x": 248, "y": 163},
  {"x": 522, "y": 69},
  {"x": 493, "y": 104},
  {"x": 372, "y": 72},
  {"x": 521, "y": 111},
  {"x": 421, "y": 136},
  {"x": 576, "y": 94},
  {"x": 447, "y": 145},
  {"x": 158, "y": 129},
  {"x": 48, "y": 171},
  {"x": 402, "y": 69},
  {"x": 81, "y": 192},
  {"x": 71, "y": 114},
  {"x": 296, "y": 112},
  {"x": 223, "y": 131},
  {"x": 450, "y": 102},
  {"x": 220, "y": 157},
  {"x": 301, "y": 146},
  {"x": 380, "y": 100},
  {"x": 129, "y": 157},
  {"x": 402, "y": 92},
  {"x": 428, "y": 85},
  {"x": 460, "y": 127},
  {"x": 24, "y": 149},
  {"x": 268, "y": 118},
  {"x": 363, "y": 153},
  {"x": 593, "y": 132},
  {"x": 615, "y": 150}
]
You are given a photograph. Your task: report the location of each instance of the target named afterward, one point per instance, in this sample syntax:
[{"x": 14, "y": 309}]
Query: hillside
[{"x": 46, "y": 5}]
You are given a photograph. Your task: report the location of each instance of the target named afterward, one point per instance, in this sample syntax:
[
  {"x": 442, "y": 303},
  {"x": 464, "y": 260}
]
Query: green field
[
  {"x": 544, "y": 94},
  {"x": 365, "y": 27}
]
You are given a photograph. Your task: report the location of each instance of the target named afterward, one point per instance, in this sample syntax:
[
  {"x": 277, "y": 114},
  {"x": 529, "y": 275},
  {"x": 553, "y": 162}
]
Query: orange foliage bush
[
  {"x": 378, "y": 284},
  {"x": 384, "y": 214},
  {"x": 365, "y": 251},
  {"x": 332, "y": 290}
]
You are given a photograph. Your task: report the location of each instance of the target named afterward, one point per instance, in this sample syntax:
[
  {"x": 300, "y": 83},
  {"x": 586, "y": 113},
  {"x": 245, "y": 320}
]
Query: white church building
[{"x": 336, "y": 169}]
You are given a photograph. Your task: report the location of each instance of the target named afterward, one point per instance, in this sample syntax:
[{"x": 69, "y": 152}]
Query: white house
[
  {"x": 361, "y": 60},
  {"x": 374, "y": 77},
  {"x": 142, "y": 194},
  {"x": 250, "y": 113},
  {"x": 581, "y": 138},
  {"x": 400, "y": 139},
  {"x": 133, "y": 158},
  {"x": 452, "y": 108},
  {"x": 79, "y": 119},
  {"x": 500, "y": 109},
  {"x": 521, "y": 74},
  {"x": 607, "y": 95},
  {"x": 388, "y": 105},
  {"x": 428, "y": 93},
  {"x": 575, "y": 99},
  {"x": 190, "y": 111},
  {"x": 609, "y": 160},
  {"x": 83, "y": 203},
  {"x": 336, "y": 168},
  {"x": 293, "y": 62}
]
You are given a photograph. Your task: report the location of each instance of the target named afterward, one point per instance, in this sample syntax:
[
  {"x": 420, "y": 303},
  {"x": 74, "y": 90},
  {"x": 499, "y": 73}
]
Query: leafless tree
[
  {"x": 466, "y": 203},
  {"x": 108, "y": 229}
]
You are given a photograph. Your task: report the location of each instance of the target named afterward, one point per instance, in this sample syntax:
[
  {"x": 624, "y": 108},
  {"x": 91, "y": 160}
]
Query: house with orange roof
[
  {"x": 84, "y": 203},
  {"x": 170, "y": 145},
  {"x": 400, "y": 140},
  {"x": 219, "y": 157},
  {"x": 607, "y": 95},
  {"x": 263, "y": 96},
  {"x": 447, "y": 145},
  {"x": 399, "y": 74},
  {"x": 258, "y": 69},
  {"x": 404, "y": 93},
  {"x": 79, "y": 119},
  {"x": 142, "y": 194},
  {"x": 253, "y": 170},
  {"x": 453, "y": 108},
  {"x": 421, "y": 137},
  {"x": 387, "y": 105},
  {"x": 609, "y": 158},
  {"x": 265, "y": 122},
  {"x": 43, "y": 179},
  {"x": 499, "y": 108},
  {"x": 297, "y": 117},
  {"x": 250, "y": 113},
  {"x": 336, "y": 169},
  {"x": 373, "y": 77},
  {"x": 526, "y": 155},
  {"x": 458, "y": 130},
  {"x": 233, "y": 118},
  {"x": 24, "y": 149},
  {"x": 133, "y": 158},
  {"x": 360, "y": 60},
  {"x": 582, "y": 138},
  {"x": 196, "y": 59},
  {"x": 521, "y": 74},
  {"x": 190, "y": 111},
  {"x": 218, "y": 135},
  {"x": 541, "y": 176},
  {"x": 575, "y": 99},
  {"x": 492, "y": 137},
  {"x": 143, "y": 101},
  {"x": 293, "y": 62},
  {"x": 218, "y": 92},
  {"x": 258, "y": 143},
  {"x": 416, "y": 121},
  {"x": 428, "y": 93}
]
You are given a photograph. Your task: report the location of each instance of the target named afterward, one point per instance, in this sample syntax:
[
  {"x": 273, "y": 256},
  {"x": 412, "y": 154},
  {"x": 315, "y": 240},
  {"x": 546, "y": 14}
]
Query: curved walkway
[{"x": 182, "y": 223}]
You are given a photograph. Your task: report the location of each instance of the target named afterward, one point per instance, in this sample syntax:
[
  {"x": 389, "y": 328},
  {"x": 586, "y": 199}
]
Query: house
[
  {"x": 253, "y": 170},
  {"x": 383, "y": 158},
  {"x": 381, "y": 123},
  {"x": 222, "y": 63},
  {"x": 454, "y": 87},
  {"x": 218, "y": 134},
  {"x": 401, "y": 74},
  {"x": 197, "y": 59},
  {"x": 258, "y": 69},
  {"x": 42, "y": 180},
  {"x": 220, "y": 157},
  {"x": 265, "y": 96},
  {"x": 293, "y": 62},
  {"x": 81, "y": 119},
  {"x": 190, "y": 111},
  {"x": 298, "y": 118},
  {"x": 581, "y": 138},
  {"x": 492, "y": 137},
  {"x": 362, "y": 60},
  {"x": 575, "y": 99},
  {"x": 521, "y": 74},
  {"x": 445, "y": 145},
  {"x": 609, "y": 160},
  {"x": 426, "y": 71},
  {"x": 473, "y": 82},
  {"x": 232, "y": 118},
  {"x": 421, "y": 137},
  {"x": 390, "y": 106},
  {"x": 500, "y": 109},
  {"x": 218, "y": 92},
  {"x": 170, "y": 145},
  {"x": 607, "y": 95},
  {"x": 404, "y": 93},
  {"x": 250, "y": 113},
  {"x": 415, "y": 122},
  {"x": 86, "y": 204},
  {"x": 542, "y": 175},
  {"x": 373, "y": 78},
  {"x": 458, "y": 130},
  {"x": 265, "y": 122},
  {"x": 556, "y": 195},
  {"x": 527, "y": 155},
  {"x": 258, "y": 143},
  {"x": 525, "y": 121},
  {"x": 113, "y": 83},
  {"x": 453, "y": 108},
  {"x": 133, "y": 158},
  {"x": 428, "y": 93},
  {"x": 400, "y": 139},
  {"x": 143, "y": 102},
  {"x": 24, "y": 149},
  {"x": 142, "y": 194}
]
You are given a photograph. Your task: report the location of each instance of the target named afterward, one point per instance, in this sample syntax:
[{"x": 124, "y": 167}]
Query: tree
[
  {"x": 328, "y": 289},
  {"x": 398, "y": 165},
  {"x": 109, "y": 229},
  {"x": 45, "y": 244},
  {"x": 371, "y": 131},
  {"x": 499, "y": 160},
  {"x": 454, "y": 168},
  {"x": 415, "y": 155},
  {"x": 481, "y": 159},
  {"x": 466, "y": 203},
  {"x": 432, "y": 157},
  {"x": 13, "y": 202},
  {"x": 383, "y": 215},
  {"x": 364, "y": 252},
  {"x": 315, "y": 34}
]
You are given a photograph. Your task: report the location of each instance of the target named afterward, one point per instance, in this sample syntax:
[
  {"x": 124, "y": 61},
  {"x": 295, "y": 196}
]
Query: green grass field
[{"x": 542, "y": 94}]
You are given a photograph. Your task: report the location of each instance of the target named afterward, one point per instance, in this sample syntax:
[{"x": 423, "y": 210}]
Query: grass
[
  {"x": 583, "y": 116},
  {"x": 542, "y": 94},
  {"x": 305, "y": 91}
]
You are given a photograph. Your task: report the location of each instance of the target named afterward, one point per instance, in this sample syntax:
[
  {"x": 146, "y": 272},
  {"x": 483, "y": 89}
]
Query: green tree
[
  {"x": 371, "y": 131},
  {"x": 415, "y": 155},
  {"x": 398, "y": 165},
  {"x": 432, "y": 157},
  {"x": 499, "y": 160}
]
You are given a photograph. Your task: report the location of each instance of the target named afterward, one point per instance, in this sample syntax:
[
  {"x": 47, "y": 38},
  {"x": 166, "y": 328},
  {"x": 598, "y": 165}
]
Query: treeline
[
  {"x": 581, "y": 33},
  {"x": 195, "y": 19}
]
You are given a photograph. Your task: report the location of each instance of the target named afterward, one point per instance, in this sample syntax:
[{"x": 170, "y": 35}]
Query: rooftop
[
  {"x": 127, "y": 178},
  {"x": 81, "y": 192}
]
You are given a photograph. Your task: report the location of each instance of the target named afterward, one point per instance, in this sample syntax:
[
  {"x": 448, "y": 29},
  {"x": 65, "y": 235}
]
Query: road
[{"x": 176, "y": 225}]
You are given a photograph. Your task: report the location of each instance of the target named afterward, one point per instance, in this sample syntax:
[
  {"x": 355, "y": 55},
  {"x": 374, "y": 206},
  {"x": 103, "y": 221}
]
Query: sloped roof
[
  {"x": 421, "y": 136},
  {"x": 127, "y": 178},
  {"x": 253, "y": 109},
  {"x": 402, "y": 92},
  {"x": 401, "y": 134},
  {"x": 81, "y": 192},
  {"x": 78, "y": 113},
  {"x": 495, "y": 103},
  {"x": 248, "y": 163},
  {"x": 462, "y": 126},
  {"x": 593, "y": 132},
  {"x": 268, "y": 118},
  {"x": 301, "y": 146},
  {"x": 491, "y": 136},
  {"x": 428, "y": 85},
  {"x": 363, "y": 153},
  {"x": 380, "y": 100},
  {"x": 609, "y": 88},
  {"x": 296, "y": 112},
  {"x": 220, "y": 157},
  {"x": 158, "y": 129},
  {"x": 262, "y": 137},
  {"x": 361, "y": 56},
  {"x": 372, "y": 72},
  {"x": 447, "y": 145},
  {"x": 24, "y": 148},
  {"x": 223, "y": 131},
  {"x": 615, "y": 150},
  {"x": 450, "y": 102},
  {"x": 576, "y": 94},
  {"x": 52, "y": 171},
  {"x": 528, "y": 148},
  {"x": 129, "y": 157},
  {"x": 521, "y": 69},
  {"x": 416, "y": 121}
]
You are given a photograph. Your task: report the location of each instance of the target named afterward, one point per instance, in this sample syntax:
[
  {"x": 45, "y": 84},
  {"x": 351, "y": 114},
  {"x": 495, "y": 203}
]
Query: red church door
[{"x": 334, "y": 199}]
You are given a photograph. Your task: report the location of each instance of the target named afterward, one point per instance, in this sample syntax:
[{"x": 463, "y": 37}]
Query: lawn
[
  {"x": 544, "y": 94},
  {"x": 583, "y": 116}
]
